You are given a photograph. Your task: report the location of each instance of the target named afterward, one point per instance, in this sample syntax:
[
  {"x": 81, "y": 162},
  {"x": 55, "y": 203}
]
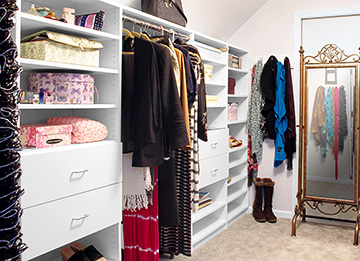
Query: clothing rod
[{"x": 159, "y": 28}]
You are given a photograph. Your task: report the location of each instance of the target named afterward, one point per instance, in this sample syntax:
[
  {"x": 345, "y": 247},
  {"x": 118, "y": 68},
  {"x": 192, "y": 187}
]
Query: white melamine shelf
[
  {"x": 91, "y": 145},
  {"x": 236, "y": 122},
  {"x": 237, "y": 211},
  {"x": 35, "y": 23},
  {"x": 66, "y": 106},
  {"x": 209, "y": 106},
  {"x": 212, "y": 61},
  {"x": 237, "y": 96},
  {"x": 242, "y": 147},
  {"x": 209, "y": 209},
  {"x": 240, "y": 71},
  {"x": 208, "y": 230},
  {"x": 236, "y": 195},
  {"x": 236, "y": 180},
  {"x": 236, "y": 163},
  {"x": 32, "y": 65},
  {"x": 214, "y": 84}
]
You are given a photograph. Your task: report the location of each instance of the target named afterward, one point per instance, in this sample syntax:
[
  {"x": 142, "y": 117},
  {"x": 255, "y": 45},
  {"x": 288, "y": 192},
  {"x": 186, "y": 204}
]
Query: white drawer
[
  {"x": 213, "y": 169},
  {"x": 218, "y": 143},
  {"x": 54, "y": 224},
  {"x": 58, "y": 174}
]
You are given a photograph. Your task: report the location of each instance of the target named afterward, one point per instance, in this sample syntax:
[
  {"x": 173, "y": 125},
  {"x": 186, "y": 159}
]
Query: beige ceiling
[
  {"x": 217, "y": 18},
  {"x": 220, "y": 18}
]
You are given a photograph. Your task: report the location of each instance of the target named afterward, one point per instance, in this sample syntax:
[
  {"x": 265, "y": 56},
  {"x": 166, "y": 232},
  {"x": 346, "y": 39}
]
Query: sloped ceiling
[{"x": 217, "y": 18}]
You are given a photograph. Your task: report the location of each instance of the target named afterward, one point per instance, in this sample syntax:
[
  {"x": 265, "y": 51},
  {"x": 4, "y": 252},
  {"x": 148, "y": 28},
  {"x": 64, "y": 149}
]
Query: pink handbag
[
  {"x": 83, "y": 130},
  {"x": 65, "y": 88}
]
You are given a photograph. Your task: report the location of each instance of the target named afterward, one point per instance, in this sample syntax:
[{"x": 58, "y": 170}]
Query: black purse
[{"x": 170, "y": 10}]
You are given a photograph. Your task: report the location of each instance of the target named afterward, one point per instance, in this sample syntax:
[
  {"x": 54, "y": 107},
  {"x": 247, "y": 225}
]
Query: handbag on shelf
[{"x": 170, "y": 10}]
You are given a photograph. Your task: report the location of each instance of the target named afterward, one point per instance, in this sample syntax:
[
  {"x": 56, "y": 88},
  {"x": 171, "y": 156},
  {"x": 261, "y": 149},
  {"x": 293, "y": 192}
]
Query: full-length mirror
[
  {"x": 329, "y": 146},
  {"x": 328, "y": 180}
]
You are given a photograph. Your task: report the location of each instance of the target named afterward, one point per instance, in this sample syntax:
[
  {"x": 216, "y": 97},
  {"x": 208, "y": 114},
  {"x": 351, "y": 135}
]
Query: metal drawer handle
[
  {"x": 80, "y": 172},
  {"x": 214, "y": 145},
  {"x": 214, "y": 172},
  {"x": 81, "y": 218}
]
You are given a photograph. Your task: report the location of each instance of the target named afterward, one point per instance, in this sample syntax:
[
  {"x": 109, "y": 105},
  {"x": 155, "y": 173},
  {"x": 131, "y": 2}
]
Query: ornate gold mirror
[{"x": 329, "y": 129}]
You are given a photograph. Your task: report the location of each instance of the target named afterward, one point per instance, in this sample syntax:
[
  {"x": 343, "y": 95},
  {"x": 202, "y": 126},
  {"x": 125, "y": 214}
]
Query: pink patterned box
[
  {"x": 66, "y": 88},
  {"x": 44, "y": 135},
  {"x": 233, "y": 111}
]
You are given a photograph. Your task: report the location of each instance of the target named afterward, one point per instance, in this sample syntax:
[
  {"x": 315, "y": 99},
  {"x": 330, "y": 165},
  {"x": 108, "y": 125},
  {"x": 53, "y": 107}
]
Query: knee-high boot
[
  {"x": 258, "y": 213},
  {"x": 268, "y": 196}
]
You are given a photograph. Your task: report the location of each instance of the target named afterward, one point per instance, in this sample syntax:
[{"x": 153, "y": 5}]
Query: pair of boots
[{"x": 260, "y": 215}]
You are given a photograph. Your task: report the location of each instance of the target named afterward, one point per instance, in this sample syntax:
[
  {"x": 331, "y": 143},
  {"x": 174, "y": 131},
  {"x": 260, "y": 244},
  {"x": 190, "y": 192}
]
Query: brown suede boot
[
  {"x": 268, "y": 195},
  {"x": 258, "y": 213}
]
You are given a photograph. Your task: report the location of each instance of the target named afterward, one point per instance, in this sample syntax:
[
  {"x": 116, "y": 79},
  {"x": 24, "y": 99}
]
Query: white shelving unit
[
  {"x": 237, "y": 200},
  {"x": 79, "y": 180},
  {"x": 48, "y": 207}
]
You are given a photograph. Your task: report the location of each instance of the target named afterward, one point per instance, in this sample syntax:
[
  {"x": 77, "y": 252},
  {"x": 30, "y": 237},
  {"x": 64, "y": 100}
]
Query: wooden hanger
[{"x": 127, "y": 32}]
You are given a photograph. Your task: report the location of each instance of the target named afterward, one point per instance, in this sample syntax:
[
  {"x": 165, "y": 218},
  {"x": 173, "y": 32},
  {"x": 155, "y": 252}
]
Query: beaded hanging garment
[{"x": 11, "y": 245}]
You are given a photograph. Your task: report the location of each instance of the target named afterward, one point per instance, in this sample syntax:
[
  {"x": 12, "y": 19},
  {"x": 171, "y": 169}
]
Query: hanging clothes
[
  {"x": 336, "y": 130},
  {"x": 254, "y": 124},
  {"x": 329, "y": 118},
  {"x": 268, "y": 87},
  {"x": 318, "y": 115},
  {"x": 140, "y": 229},
  {"x": 157, "y": 119},
  {"x": 281, "y": 122},
  {"x": 290, "y": 133},
  {"x": 343, "y": 128}
]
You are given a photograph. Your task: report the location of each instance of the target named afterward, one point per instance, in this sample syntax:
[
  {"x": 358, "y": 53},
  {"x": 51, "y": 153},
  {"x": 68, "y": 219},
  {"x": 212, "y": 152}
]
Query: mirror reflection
[{"x": 329, "y": 142}]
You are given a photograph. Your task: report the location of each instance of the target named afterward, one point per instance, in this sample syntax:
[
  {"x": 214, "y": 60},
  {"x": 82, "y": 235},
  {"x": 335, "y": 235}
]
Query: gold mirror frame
[{"x": 330, "y": 56}]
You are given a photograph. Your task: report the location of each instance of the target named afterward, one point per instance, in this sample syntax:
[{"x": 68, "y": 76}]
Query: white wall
[{"x": 271, "y": 31}]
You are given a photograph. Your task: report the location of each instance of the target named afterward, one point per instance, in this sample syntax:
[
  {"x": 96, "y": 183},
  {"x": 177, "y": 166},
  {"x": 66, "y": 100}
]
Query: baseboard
[{"x": 278, "y": 213}]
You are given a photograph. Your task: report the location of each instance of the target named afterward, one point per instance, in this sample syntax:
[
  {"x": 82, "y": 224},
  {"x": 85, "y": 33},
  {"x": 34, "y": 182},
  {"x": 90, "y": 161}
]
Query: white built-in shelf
[
  {"x": 90, "y": 145},
  {"x": 236, "y": 179},
  {"x": 237, "y": 96},
  {"x": 32, "y": 65},
  {"x": 242, "y": 147},
  {"x": 237, "y": 211},
  {"x": 213, "y": 62},
  {"x": 235, "y": 163},
  {"x": 236, "y": 122},
  {"x": 32, "y": 24},
  {"x": 239, "y": 71},
  {"x": 208, "y": 230},
  {"x": 235, "y": 195},
  {"x": 66, "y": 106},
  {"x": 209, "y": 209},
  {"x": 214, "y": 84},
  {"x": 209, "y": 106}
]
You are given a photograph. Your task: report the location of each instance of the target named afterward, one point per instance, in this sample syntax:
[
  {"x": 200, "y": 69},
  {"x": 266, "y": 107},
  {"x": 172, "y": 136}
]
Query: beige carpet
[{"x": 249, "y": 240}]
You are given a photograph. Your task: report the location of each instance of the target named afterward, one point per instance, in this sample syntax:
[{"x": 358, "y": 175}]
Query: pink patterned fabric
[
  {"x": 83, "y": 130},
  {"x": 45, "y": 136},
  {"x": 65, "y": 87}
]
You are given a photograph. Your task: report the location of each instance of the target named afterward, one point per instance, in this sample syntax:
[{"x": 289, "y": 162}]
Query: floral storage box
[
  {"x": 56, "y": 47},
  {"x": 44, "y": 135},
  {"x": 65, "y": 88}
]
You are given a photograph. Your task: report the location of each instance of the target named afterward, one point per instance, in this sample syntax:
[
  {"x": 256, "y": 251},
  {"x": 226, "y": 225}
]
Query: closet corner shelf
[
  {"x": 235, "y": 163},
  {"x": 235, "y": 180},
  {"x": 212, "y": 106},
  {"x": 240, "y": 71},
  {"x": 32, "y": 65},
  {"x": 211, "y": 208},
  {"x": 202, "y": 234},
  {"x": 242, "y": 147},
  {"x": 236, "y": 122},
  {"x": 91, "y": 145},
  {"x": 237, "y": 211},
  {"x": 237, "y": 96},
  {"x": 33, "y": 23},
  {"x": 66, "y": 106},
  {"x": 236, "y": 195},
  {"x": 212, "y": 84},
  {"x": 212, "y": 61}
]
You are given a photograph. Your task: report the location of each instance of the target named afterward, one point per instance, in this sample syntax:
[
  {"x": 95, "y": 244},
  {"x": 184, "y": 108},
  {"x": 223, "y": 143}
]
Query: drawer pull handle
[
  {"x": 214, "y": 145},
  {"x": 214, "y": 172},
  {"x": 81, "y": 218},
  {"x": 80, "y": 172}
]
